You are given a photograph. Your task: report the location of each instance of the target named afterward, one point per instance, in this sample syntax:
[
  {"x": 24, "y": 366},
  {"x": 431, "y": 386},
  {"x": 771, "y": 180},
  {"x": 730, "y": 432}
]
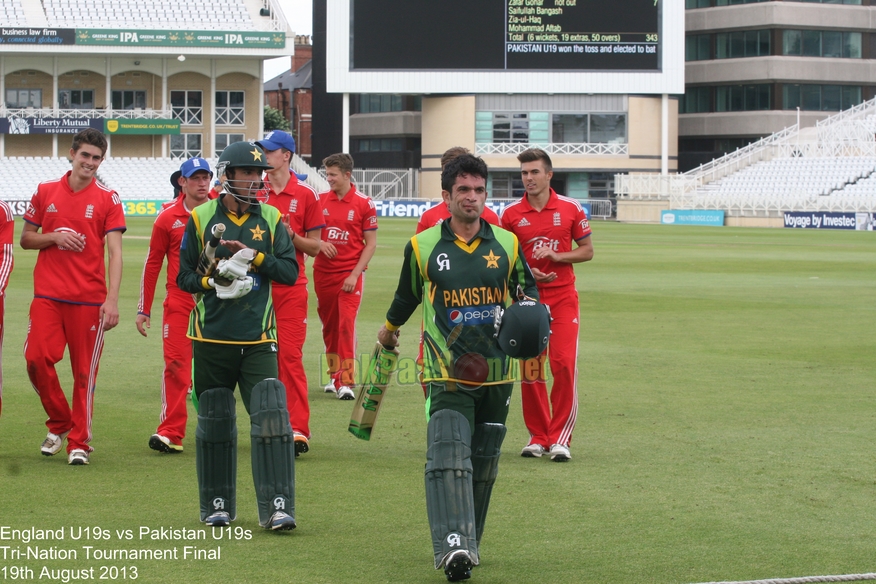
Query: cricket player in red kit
[
  {"x": 194, "y": 179},
  {"x": 302, "y": 215},
  {"x": 546, "y": 225},
  {"x": 7, "y": 227},
  {"x": 72, "y": 221},
  {"x": 348, "y": 243}
]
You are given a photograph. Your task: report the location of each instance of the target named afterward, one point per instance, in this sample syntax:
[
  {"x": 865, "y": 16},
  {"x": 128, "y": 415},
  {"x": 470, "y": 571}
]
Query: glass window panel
[
  {"x": 831, "y": 44},
  {"x": 570, "y": 128},
  {"x": 502, "y": 126},
  {"x": 810, "y": 97},
  {"x": 140, "y": 99},
  {"x": 519, "y": 125},
  {"x": 737, "y": 44},
  {"x": 852, "y": 45},
  {"x": 790, "y": 97},
  {"x": 851, "y": 96},
  {"x": 704, "y": 101},
  {"x": 722, "y": 99},
  {"x": 221, "y": 99},
  {"x": 501, "y": 136},
  {"x": 177, "y": 98},
  {"x": 830, "y": 98},
  {"x": 764, "y": 101},
  {"x": 750, "y": 98},
  {"x": 764, "y": 43},
  {"x": 752, "y": 39},
  {"x": 520, "y": 116},
  {"x": 520, "y": 137},
  {"x": 194, "y": 100},
  {"x": 722, "y": 46},
  {"x": 792, "y": 42},
  {"x": 704, "y": 47},
  {"x": 736, "y": 98},
  {"x": 608, "y": 128},
  {"x": 396, "y": 103},
  {"x": 811, "y": 43},
  {"x": 236, "y": 98}
]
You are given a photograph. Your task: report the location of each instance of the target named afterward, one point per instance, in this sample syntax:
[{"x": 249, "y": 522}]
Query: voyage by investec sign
[{"x": 819, "y": 220}]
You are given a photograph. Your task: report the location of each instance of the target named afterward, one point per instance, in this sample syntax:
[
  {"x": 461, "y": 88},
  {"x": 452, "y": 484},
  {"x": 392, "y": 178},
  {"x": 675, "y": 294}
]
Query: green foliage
[
  {"x": 725, "y": 432},
  {"x": 275, "y": 120}
]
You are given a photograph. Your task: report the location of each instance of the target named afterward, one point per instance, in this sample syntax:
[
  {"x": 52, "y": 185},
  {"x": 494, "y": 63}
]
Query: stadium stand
[
  {"x": 159, "y": 14},
  {"x": 831, "y": 167},
  {"x": 12, "y": 13}
]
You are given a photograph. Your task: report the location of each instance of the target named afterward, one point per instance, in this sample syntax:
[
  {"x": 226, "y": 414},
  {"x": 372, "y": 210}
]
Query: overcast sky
[{"x": 299, "y": 15}]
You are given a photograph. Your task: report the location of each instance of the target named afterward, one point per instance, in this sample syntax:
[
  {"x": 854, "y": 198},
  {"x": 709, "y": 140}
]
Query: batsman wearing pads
[
  {"x": 234, "y": 342},
  {"x": 463, "y": 272}
]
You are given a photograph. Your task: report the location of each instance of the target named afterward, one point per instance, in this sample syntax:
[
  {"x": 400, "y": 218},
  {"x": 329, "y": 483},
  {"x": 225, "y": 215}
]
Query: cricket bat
[
  {"x": 381, "y": 366},
  {"x": 208, "y": 256}
]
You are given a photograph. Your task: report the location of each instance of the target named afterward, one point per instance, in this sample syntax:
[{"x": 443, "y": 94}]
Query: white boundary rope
[{"x": 805, "y": 579}]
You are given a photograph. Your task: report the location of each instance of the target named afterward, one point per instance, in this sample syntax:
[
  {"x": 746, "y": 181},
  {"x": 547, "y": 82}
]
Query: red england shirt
[
  {"x": 167, "y": 233},
  {"x": 560, "y": 222},
  {"x": 7, "y": 227},
  {"x": 437, "y": 214},
  {"x": 346, "y": 221},
  {"x": 298, "y": 204},
  {"x": 63, "y": 275}
]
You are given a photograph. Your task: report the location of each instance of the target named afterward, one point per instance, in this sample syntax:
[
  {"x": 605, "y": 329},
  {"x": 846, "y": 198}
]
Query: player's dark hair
[
  {"x": 342, "y": 160},
  {"x": 91, "y": 137},
  {"x": 463, "y": 164},
  {"x": 452, "y": 153},
  {"x": 533, "y": 154}
]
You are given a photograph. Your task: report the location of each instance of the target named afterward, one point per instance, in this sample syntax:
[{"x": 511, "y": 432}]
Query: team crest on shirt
[
  {"x": 89, "y": 212},
  {"x": 351, "y": 215},
  {"x": 557, "y": 219},
  {"x": 257, "y": 233},
  {"x": 492, "y": 260},
  {"x": 523, "y": 223},
  {"x": 293, "y": 206}
]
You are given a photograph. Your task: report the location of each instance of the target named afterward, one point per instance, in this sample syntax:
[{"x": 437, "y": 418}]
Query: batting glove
[
  {"x": 237, "y": 266},
  {"x": 236, "y": 289}
]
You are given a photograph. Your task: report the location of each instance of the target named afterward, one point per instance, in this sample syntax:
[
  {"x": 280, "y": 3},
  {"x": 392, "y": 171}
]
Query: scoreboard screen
[{"x": 505, "y": 35}]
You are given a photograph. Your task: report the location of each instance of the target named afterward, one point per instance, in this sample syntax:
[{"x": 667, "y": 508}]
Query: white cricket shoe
[
  {"x": 532, "y": 451},
  {"x": 345, "y": 393},
  {"x": 330, "y": 388},
  {"x": 560, "y": 453},
  {"x": 53, "y": 443},
  {"x": 77, "y": 457},
  {"x": 218, "y": 519}
]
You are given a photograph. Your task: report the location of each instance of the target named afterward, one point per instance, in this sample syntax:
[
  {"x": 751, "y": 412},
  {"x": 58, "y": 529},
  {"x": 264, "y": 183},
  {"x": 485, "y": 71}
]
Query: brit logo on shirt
[
  {"x": 89, "y": 212},
  {"x": 557, "y": 221},
  {"x": 351, "y": 215},
  {"x": 293, "y": 206}
]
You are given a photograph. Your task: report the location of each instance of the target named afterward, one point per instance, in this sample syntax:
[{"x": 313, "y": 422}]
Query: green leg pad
[
  {"x": 273, "y": 450},
  {"x": 449, "y": 499},
  {"x": 216, "y": 452},
  {"x": 485, "y": 450}
]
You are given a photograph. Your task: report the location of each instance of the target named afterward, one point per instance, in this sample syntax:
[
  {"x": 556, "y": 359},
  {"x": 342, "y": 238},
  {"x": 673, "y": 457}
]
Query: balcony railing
[
  {"x": 560, "y": 148},
  {"x": 48, "y": 112}
]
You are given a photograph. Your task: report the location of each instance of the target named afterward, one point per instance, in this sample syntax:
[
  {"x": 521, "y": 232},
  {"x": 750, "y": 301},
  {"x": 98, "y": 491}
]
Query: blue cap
[
  {"x": 277, "y": 139},
  {"x": 193, "y": 165}
]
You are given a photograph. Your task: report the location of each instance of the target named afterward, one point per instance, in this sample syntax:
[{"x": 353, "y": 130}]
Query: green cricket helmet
[
  {"x": 242, "y": 155},
  {"x": 523, "y": 329}
]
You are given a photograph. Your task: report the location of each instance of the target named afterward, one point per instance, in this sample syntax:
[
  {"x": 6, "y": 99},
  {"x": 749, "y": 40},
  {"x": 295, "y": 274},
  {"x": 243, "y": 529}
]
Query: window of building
[
  {"x": 858, "y": 2},
  {"x": 378, "y": 145},
  {"x": 372, "y": 103},
  {"x": 696, "y": 100},
  {"x": 818, "y": 43},
  {"x": 697, "y": 47},
  {"x": 731, "y": 2},
  {"x": 589, "y": 128},
  {"x": 744, "y": 43},
  {"x": 820, "y": 97},
  {"x": 187, "y": 107},
  {"x": 229, "y": 108},
  {"x": 504, "y": 185},
  {"x": 24, "y": 98},
  {"x": 185, "y": 146},
  {"x": 697, "y": 3},
  {"x": 738, "y": 98},
  {"x": 510, "y": 127},
  {"x": 224, "y": 140},
  {"x": 76, "y": 98},
  {"x": 128, "y": 99}
]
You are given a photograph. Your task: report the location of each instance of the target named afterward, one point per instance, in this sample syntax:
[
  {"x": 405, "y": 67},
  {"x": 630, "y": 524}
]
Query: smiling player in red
[
  {"x": 546, "y": 224},
  {"x": 348, "y": 243},
  {"x": 72, "y": 221}
]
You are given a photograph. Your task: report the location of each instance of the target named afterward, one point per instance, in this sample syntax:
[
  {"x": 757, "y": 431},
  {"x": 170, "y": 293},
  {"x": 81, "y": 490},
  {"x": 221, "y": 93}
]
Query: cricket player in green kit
[
  {"x": 463, "y": 271},
  {"x": 234, "y": 342}
]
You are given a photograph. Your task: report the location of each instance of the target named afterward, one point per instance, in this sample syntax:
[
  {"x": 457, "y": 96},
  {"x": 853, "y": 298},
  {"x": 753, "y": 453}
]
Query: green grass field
[{"x": 726, "y": 432}]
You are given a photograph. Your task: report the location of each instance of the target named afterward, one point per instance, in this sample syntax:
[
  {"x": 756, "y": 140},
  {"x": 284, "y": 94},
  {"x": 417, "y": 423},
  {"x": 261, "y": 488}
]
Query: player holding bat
[
  {"x": 461, "y": 271},
  {"x": 234, "y": 342}
]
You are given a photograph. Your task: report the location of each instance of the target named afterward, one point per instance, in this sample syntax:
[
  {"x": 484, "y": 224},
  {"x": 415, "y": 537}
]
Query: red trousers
[
  {"x": 177, "y": 376},
  {"x": 290, "y": 306},
  {"x": 337, "y": 310},
  {"x": 551, "y": 420},
  {"x": 52, "y": 326}
]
